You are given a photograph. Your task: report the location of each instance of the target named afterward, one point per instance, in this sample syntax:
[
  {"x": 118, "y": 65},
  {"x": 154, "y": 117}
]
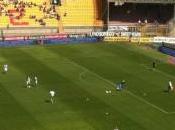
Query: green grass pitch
[{"x": 80, "y": 75}]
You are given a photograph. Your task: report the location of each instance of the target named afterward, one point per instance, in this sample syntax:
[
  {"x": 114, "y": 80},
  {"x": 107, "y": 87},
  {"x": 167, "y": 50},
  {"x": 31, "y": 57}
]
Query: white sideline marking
[
  {"x": 145, "y": 101},
  {"x": 133, "y": 95},
  {"x": 158, "y": 71},
  {"x": 129, "y": 92},
  {"x": 171, "y": 113}
]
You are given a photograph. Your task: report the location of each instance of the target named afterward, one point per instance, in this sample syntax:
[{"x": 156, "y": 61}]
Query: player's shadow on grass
[
  {"x": 3, "y": 72},
  {"x": 47, "y": 101},
  {"x": 166, "y": 91}
]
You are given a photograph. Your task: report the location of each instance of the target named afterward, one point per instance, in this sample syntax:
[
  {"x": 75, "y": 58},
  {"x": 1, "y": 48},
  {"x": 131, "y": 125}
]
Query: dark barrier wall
[
  {"x": 71, "y": 40},
  {"x": 60, "y": 40},
  {"x": 167, "y": 51},
  {"x": 16, "y": 43},
  {"x": 105, "y": 13},
  {"x": 168, "y": 45}
]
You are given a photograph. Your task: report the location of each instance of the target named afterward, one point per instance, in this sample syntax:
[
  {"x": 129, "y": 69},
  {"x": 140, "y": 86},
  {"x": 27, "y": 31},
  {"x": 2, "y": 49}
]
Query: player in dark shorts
[{"x": 154, "y": 64}]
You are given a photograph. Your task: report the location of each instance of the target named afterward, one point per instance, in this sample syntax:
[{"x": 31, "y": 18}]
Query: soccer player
[
  {"x": 36, "y": 80},
  {"x": 28, "y": 82},
  {"x": 5, "y": 68},
  {"x": 121, "y": 85},
  {"x": 154, "y": 64},
  {"x": 52, "y": 94},
  {"x": 170, "y": 86}
]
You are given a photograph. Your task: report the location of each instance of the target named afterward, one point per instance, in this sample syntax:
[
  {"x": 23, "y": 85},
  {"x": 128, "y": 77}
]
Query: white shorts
[{"x": 5, "y": 69}]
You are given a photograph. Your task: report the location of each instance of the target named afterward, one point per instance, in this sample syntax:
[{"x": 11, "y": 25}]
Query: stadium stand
[
  {"x": 149, "y": 19},
  {"x": 79, "y": 13},
  {"x": 27, "y": 14},
  {"x": 37, "y": 13},
  {"x": 132, "y": 13}
]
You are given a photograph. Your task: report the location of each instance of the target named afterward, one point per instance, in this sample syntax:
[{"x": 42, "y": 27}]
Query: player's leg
[
  {"x": 172, "y": 88},
  {"x": 169, "y": 88},
  {"x": 51, "y": 100},
  {"x": 36, "y": 83},
  {"x": 27, "y": 84}
]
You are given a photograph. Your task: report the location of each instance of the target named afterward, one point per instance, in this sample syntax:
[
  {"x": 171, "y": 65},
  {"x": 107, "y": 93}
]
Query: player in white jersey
[
  {"x": 170, "y": 86},
  {"x": 28, "y": 82},
  {"x": 36, "y": 80},
  {"x": 5, "y": 68},
  {"x": 52, "y": 94}
]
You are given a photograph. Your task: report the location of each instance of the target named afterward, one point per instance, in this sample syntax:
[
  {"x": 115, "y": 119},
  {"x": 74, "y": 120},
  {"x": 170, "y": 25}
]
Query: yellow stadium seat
[{"x": 72, "y": 12}]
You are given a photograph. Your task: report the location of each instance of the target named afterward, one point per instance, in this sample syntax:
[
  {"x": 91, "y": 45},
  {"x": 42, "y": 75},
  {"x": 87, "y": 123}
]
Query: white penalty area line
[
  {"x": 145, "y": 101},
  {"x": 135, "y": 96},
  {"x": 171, "y": 113},
  {"x": 127, "y": 91},
  {"x": 158, "y": 71}
]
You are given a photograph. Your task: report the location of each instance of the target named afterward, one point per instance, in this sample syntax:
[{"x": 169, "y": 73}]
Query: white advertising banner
[
  {"x": 118, "y": 28},
  {"x": 164, "y": 39}
]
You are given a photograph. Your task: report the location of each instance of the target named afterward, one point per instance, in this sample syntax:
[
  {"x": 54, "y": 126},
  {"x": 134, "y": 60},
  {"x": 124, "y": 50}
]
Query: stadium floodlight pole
[
  {"x": 105, "y": 14},
  {"x": 174, "y": 14},
  {"x": 108, "y": 14}
]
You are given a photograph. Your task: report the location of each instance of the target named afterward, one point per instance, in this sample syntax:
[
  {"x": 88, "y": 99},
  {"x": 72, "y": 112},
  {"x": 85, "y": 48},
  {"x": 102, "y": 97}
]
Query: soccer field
[{"x": 80, "y": 74}]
